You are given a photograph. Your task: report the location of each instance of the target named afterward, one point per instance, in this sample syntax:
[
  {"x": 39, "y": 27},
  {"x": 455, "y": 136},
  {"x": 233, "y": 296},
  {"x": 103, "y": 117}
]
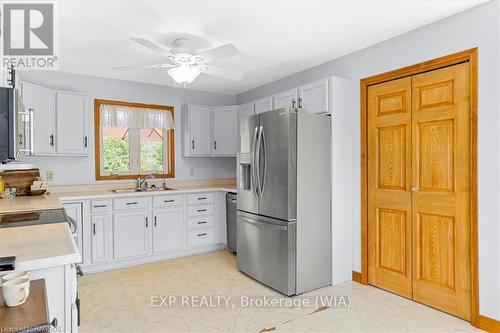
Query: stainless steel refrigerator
[{"x": 284, "y": 198}]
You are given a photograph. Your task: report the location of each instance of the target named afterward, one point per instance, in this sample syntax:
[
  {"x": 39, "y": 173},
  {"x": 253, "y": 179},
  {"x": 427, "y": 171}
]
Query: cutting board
[{"x": 20, "y": 179}]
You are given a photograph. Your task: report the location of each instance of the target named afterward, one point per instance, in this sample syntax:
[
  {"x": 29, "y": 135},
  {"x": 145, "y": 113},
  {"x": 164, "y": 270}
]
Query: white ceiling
[{"x": 277, "y": 38}]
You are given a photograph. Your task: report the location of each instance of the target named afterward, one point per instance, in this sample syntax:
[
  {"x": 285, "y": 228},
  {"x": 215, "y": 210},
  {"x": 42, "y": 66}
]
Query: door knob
[{"x": 414, "y": 189}]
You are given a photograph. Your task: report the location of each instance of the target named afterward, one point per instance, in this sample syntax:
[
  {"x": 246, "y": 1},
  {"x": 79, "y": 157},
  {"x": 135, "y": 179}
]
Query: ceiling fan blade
[
  {"x": 220, "y": 52},
  {"x": 152, "y": 46},
  {"x": 147, "y": 66},
  {"x": 223, "y": 73}
]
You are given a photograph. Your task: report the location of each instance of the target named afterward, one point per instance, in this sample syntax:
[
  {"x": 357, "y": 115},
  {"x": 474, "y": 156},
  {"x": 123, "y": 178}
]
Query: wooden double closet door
[{"x": 419, "y": 188}]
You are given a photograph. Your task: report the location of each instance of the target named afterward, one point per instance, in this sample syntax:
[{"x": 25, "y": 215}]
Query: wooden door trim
[{"x": 470, "y": 56}]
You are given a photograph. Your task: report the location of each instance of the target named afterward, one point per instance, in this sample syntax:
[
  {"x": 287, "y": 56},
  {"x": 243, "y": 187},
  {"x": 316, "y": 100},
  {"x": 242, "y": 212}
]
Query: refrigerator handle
[
  {"x": 263, "y": 139},
  {"x": 257, "y": 153},
  {"x": 255, "y": 134}
]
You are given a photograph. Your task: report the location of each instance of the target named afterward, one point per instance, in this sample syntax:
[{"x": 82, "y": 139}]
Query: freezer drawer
[{"x": 266, "y": 250}]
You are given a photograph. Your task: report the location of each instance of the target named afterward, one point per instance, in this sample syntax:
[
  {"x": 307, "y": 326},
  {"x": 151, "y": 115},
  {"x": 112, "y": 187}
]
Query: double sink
[{"x": 133, "y": 190}]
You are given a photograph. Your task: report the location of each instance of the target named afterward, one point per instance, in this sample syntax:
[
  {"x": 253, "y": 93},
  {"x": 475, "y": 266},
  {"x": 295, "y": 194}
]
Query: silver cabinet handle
[
  {"x": 293, "y": 103},
  {"x": 171, "y": 200},
  {"x": 266, "y": 225},
  {"x": 146, "y": 221},
  {"x": 51, "y": 140},
  {"x": 300, "y": 102},
  {"x": 99, "y": 206},
  {"x": 201, "y": 210},
  {"x": 203, "y": 234},
  {"x": 132, "y": 203},
  {"x": 264, "y": 177},
  {"x": 254, "y": 148},
  {"x": 215, "y": 145},
  {"x": 202, "y": 222},
  {"x": 202, "y": 198},
  {"x": 192, "y": 144},
  {"x": 85, "y": 142},
  {"x": 155, "y": 221},
  {"x": 414, "y": 189},
  {"x": 93, "y": 228},
  {"x": 259, "y": 143}
]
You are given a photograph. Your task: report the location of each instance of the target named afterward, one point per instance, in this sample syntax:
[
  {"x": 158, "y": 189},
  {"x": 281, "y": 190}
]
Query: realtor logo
[
  {"x": 28, "y": 36},
  {"x": 28, "y": 29}
]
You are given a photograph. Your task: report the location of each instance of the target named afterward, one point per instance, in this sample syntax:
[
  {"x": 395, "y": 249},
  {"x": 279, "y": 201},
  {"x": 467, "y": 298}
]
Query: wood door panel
[
  {"x": 391, "y": 157},
  {"x": 392, "y": 103},
  {"x": 435, "y": 249},
  {"x": 391, "y": 241},
  {"x": 435, "y": 95},
  {"x": 441, "y": 203},
  {"x": 435, "y": 144},
  {"x": 389, "y": 177}
]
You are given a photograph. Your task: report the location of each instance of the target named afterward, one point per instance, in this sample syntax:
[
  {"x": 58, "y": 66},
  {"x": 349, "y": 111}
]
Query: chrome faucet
[{"x": 141, "y": 181}]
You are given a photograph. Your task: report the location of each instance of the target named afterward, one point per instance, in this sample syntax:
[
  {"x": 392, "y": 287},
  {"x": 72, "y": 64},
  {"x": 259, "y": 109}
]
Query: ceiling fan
[{"x": 185, "y": 64}]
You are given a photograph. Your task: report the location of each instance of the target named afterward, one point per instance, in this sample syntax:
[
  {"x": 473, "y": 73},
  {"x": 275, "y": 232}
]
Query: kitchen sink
[{"x": 133, "y": 190}]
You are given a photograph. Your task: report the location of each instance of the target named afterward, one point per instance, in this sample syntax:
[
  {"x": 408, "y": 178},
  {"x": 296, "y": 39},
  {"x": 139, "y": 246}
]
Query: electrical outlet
[{"x": 50, "y": 175}]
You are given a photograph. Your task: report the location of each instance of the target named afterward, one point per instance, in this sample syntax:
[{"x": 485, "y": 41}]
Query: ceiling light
[{"x": 184, "y": 74}]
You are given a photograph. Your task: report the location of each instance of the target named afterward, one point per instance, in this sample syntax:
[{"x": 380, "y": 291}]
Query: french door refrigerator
[{"x": 284, "y": 198}]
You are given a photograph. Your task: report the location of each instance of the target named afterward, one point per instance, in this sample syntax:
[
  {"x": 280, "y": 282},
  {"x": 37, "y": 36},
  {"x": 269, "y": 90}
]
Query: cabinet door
[
  {"x": 264, "y": 104},
  {"x": 41, "y": 101},
  {"x": 246, "y": 110},
  {"x": 71, "y": 124},
  {"x": 74, "y": 211},
  {"x": 313, "y": 97},
  {"x": 285, "y": 99},
  {"x": 100, "y": 236},
  {"x": 224, "y": 130},
  {"x": 200, "y": 130},
  {"x": 168, "y": 229},
  {"x": 130, "y": 234}
]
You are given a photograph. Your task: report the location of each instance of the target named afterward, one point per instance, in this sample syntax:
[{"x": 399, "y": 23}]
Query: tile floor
[{"x": 134, "y": 300}]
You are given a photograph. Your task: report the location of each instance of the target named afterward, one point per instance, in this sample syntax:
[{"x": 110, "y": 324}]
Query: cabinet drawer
[
  {"x": 201, "y": 237},
  {"x": 201, "y": 210},
  {"x": 203, "y": 222},
  {"x": 130, "y": 203},
  {"x": 168, "y": 200},
  {"x": 99, "y": 206},
  {"x": 200, "y": 198}
]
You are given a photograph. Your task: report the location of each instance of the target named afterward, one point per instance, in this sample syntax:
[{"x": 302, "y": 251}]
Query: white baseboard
[{"x": 116, "y": 264}]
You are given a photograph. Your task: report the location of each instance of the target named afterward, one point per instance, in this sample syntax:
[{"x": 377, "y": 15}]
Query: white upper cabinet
[
  {"x": 71, "y": 124},
  {"x": 200, "y": 123},
  {"x": 264, "y": 104},
  {"x": 313, "y": 97},
  {"x": 41, "y": 101},
  {"x": 285, "y": 99},
  {"x": 60, "y": 120},
  {"x": 225, "y": 134},
  {"x": 209, "y": 131},
  {"x": 246, "y": 110}
]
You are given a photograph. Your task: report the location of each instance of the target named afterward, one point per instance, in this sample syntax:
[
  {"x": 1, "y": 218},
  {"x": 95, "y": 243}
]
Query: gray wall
[
  {"x": 478, "y": 27},
  {"x": 80, "y": 170}
]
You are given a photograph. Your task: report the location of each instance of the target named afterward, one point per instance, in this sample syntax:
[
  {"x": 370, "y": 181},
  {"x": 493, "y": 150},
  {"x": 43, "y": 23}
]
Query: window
[{"x": 133, "y": 139}]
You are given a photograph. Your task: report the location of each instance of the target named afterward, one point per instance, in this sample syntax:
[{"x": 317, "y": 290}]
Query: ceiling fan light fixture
[{"x": 184, "y": 74}]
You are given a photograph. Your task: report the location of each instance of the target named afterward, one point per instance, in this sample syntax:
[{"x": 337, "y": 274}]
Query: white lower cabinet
[
  {"x": 131, "y": 232},
  {"x": 100, "y": 229},
  {"x": 168, "y": 229}
]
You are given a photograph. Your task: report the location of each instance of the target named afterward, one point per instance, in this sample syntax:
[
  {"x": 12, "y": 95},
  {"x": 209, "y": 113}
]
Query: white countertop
[
  {"x": 39, "y": 246},
  {"x": 100, "y": 194},
  {"x": 54, "y": 200}
]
